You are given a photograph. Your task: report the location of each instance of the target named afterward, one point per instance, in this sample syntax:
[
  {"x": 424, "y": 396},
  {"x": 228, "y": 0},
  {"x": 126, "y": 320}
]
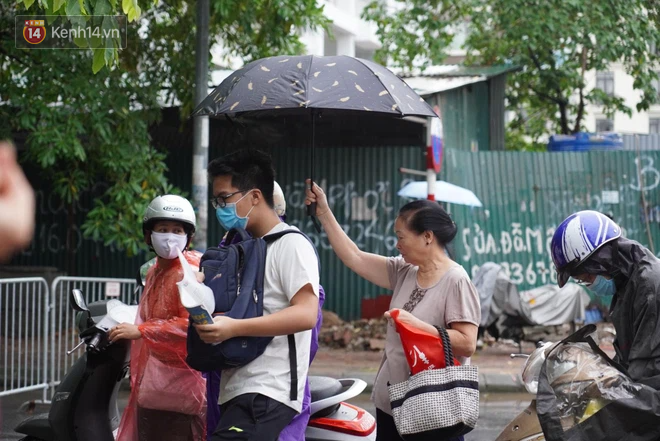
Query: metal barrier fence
[
  {"x": 37, "y": 327},
  {"x": 63, "y": 329},
  {"x": 24, "y": 322}
]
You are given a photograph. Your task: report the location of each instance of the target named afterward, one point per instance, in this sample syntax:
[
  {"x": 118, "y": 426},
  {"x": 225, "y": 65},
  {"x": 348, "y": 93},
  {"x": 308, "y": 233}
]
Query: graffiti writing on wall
[
  {"x": 523, "y": 252},
  {"x": 366, "y": 216}
]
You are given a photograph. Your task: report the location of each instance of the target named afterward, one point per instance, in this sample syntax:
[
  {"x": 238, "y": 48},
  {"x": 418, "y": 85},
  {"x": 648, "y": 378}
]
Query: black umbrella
[{"x": 286, "y": 100}]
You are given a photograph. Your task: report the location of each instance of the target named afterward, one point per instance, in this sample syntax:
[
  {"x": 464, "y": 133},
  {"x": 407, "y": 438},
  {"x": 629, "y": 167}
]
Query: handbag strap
[{"x": 446, "y": 344}]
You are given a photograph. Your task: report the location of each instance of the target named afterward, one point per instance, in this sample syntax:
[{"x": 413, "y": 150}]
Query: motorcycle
[
  {"x": 332, "y": 419},
  {"x": 526, "y": 426},
  {"x": 581, "y": 381},
  {"x": 84, "y": 406}
]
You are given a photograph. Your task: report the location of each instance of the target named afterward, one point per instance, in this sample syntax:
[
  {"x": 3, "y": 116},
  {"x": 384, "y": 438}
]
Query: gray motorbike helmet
[{"x": 169, "y": 207}]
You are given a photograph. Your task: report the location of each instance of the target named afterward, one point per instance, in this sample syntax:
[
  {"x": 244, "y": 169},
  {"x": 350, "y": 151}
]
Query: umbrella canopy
[
  {"x": 295, "y": 84},
  {"x": 269, "y": 101},
  {"x": 444, "y": 191}
]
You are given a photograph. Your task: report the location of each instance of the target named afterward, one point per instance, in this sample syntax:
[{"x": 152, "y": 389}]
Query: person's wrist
[
  {"x": 233, "y": 327},
  {"x": 324, "y": 213}
]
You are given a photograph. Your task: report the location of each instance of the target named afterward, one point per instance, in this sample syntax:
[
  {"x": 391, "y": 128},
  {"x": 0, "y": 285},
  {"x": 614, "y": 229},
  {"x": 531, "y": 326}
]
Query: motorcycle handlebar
[{"x": 93, "y": 344}]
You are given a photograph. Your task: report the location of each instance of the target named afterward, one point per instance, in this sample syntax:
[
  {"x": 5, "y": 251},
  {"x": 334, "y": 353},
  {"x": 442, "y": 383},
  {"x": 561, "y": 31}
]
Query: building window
[
  {"x": 604, "y": 125},
  {"x": 656, "y": 86},
  {"x": 654, "y": 125},
  {"x": 605, "y": 82},
  {"x": 654, "y": 49}
]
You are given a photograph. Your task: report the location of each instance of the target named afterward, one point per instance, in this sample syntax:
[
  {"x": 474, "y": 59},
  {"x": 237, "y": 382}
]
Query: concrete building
[
  {"x": 617, "y": 82},
  {"x": 350, "y": 35}
]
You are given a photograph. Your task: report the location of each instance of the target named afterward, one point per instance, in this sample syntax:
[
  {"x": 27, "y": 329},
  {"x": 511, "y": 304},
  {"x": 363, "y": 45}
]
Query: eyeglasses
[{"x": 221, "y": 201}]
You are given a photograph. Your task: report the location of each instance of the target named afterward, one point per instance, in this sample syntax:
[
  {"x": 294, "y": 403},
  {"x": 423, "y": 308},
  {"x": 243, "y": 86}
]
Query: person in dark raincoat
[{"x": 588, "y": 247}]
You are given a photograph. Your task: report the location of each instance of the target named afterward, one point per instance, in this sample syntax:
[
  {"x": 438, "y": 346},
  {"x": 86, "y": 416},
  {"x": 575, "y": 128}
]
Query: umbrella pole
[{"x": 311, "y": 208}]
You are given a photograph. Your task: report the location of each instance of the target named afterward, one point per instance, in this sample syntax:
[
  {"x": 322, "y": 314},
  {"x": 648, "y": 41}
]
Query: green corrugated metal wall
[{"x": 526, "y": 195}]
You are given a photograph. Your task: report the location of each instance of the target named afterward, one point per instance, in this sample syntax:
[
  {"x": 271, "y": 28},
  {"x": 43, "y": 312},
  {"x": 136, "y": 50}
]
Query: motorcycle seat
[{"x": 324, "y": 387}]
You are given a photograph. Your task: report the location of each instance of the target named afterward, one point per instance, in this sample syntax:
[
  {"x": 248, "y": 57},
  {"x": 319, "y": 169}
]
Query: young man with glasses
[{"x": 255, "y": 398}]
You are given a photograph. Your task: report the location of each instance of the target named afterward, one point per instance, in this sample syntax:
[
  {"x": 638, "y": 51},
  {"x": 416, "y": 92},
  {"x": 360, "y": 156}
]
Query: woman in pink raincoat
[{"x": 168, "y": 399}]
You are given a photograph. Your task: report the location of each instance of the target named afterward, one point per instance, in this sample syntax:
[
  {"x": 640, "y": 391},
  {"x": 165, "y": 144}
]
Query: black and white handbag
[{"x": 438, "y": 403}]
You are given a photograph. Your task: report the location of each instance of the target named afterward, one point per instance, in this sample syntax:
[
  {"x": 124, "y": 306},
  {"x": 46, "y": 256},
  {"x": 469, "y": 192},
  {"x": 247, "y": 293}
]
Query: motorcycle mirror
[
  {"x": 78, "y": 300},
  {"x": 144, "y": 269}
]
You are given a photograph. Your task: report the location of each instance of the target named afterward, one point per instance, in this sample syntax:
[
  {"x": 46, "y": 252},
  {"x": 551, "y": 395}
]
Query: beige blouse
[{"x": 452, "y": 299}]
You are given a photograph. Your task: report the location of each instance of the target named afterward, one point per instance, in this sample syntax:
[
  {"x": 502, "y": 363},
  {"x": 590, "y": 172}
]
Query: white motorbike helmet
[
  {"x": 172, "y": 208},
  {"x": 278, "y": 200}
]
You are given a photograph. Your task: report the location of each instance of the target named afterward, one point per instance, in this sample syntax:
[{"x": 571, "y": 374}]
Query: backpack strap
[
  {"x": 293, "y": 354},
  {"x": 293, "y": 366},
  {"x": 234, "y": 232},
  {"x": 270, "y": 238}
]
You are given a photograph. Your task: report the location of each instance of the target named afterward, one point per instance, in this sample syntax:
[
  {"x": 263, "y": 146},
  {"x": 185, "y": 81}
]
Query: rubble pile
[{"x": 357, "y": 335}]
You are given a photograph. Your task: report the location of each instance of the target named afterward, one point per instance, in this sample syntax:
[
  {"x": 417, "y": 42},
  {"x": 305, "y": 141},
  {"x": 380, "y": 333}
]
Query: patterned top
[{"x": 452, "y": 299}]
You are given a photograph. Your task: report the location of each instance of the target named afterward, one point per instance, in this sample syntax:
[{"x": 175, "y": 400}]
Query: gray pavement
[{"x": 496, "y": 410}]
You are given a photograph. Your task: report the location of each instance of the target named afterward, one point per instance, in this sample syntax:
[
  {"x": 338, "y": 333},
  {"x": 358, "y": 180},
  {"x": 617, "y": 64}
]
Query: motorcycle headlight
[{"x": 532, "y": 368}]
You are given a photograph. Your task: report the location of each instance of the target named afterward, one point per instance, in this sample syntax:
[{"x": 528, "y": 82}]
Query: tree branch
[
  {"x": 545, "y": 96},
  {"x": 561, "y": 101},
  {"x": 580, "y": 113}
]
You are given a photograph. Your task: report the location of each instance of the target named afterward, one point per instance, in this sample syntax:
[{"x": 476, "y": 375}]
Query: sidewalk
[{"x": 497, "y": 371}]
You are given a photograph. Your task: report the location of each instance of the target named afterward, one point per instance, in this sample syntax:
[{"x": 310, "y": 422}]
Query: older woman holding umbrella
[{"x": 430, "y": 289}]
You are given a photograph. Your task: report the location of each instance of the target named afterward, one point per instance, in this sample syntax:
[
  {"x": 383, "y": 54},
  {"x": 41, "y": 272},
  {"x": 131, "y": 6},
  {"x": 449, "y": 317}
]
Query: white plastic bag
[{"x": 196, "y": 297}]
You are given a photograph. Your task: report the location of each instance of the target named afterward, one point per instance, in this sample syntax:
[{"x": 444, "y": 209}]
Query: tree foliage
[
  {"x": 556, "y": 43},
  {"x": 87, "y": 122}
]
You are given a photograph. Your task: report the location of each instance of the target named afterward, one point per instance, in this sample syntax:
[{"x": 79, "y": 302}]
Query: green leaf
[
  {"x": 103, "y": 7},
  {"x": 81, "y": 42},
  {"x": 99, "y": 60},
  {"x": 109, "y": 55},
  {"x": 28, "y": 3},
  {"x": 131, "y": 9},
  {"x": 57, "y": 4},
  {"x": 72, "y": 7}
]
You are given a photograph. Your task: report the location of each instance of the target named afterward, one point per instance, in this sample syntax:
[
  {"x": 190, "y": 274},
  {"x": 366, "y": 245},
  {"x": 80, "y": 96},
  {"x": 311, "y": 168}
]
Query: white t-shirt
[{"x": 291, "y": 263}]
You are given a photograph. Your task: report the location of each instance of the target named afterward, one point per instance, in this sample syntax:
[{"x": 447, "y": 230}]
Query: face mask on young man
[
  {"x": 603, "y": 286},
  {"x": 166, "y": 244},
  {"x": 229, "y": 218}
]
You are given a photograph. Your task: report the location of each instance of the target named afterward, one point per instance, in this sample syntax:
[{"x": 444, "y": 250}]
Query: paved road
[{"x": 495, "y": 412}]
